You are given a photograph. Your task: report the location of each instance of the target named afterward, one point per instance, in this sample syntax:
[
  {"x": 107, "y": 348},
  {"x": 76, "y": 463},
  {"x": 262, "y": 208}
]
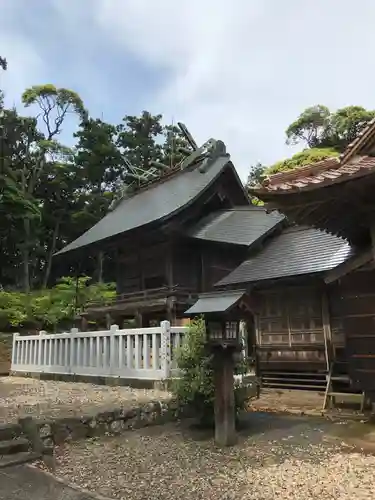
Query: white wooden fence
[{"x": 141, "y": 353}]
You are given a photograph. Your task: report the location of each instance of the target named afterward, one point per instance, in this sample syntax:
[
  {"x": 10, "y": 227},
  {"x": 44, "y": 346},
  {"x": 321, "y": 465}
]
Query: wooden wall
[
  {"x": 142, "y": 268},
  {"x": 193, "y": 264},
  {"x": 290, "y": 332},
  {"x": 354, "y": 296}
]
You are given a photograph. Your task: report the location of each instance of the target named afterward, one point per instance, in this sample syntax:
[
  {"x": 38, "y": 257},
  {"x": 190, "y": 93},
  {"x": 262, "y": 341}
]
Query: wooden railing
[
  {"x": 145, "y": 295},
  {"x": 141, "y": 353}
]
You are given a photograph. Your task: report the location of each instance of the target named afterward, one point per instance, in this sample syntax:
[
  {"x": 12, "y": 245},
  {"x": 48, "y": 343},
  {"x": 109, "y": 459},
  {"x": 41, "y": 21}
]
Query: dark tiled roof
[
  {"x": 296, "y": 251},
  {"x": 240, "y": 226},
  {"x": 323, "y": 173},
  {"x": 215, "y": 302},
  {"x": 157, "y": 202}
]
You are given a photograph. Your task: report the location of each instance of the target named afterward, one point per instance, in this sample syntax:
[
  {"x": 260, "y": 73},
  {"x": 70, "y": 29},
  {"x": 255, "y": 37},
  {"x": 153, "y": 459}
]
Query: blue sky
[{"x": 239, "y": 70}]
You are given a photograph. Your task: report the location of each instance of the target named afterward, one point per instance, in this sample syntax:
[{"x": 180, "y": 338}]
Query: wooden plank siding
[
  {"x": 355, "y": 306},
  {"x": 290, "y": 329}
]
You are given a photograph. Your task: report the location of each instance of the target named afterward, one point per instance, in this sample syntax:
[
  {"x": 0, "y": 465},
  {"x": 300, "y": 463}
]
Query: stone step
[
  {"x": 9, "y": 431},
  {"x": 20, "y": 458},
  {"x": 12, "y": 446}
]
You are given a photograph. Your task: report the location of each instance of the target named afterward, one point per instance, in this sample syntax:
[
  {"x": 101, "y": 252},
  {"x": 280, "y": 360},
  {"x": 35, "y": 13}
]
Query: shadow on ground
[{"x": 26, "y": 483}]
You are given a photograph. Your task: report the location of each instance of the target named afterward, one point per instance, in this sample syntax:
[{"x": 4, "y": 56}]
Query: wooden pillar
[
  {"x": 108, "y": 321},
  {"x": 225, "y": 421},
  {"x": 327, "y": 330},
  {"x": 372, "y": 233}
]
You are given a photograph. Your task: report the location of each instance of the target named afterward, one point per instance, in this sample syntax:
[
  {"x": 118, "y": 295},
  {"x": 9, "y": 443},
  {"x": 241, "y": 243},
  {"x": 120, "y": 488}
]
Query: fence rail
[{"x": 140, "y": 353}]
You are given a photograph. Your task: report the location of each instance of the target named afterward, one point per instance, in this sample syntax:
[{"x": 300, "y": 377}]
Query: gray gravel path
[{"x": 277, "y": 456}]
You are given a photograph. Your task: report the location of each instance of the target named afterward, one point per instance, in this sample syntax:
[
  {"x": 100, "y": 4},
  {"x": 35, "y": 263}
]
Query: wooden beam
[
  {"x": 349, "y": 266},
  {"x": 327, "y": 329},
  {"x": 372, "y": 233}
]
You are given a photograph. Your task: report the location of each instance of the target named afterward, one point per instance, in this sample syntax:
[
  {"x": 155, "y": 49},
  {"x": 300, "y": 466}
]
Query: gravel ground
[
  {"x": 277, "y": 456},
  {"x": 279, "y": 400},
  {"x": 24, "y": 396}
]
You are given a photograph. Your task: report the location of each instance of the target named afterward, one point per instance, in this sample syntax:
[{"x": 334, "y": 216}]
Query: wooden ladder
[{"x": 331, "y": 393}]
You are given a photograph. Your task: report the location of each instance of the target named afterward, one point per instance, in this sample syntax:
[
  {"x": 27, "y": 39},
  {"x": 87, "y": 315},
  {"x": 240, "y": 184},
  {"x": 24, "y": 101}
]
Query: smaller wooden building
[
  {"x": 337, "y": 196},
  {"x": 297, "y": 324}
]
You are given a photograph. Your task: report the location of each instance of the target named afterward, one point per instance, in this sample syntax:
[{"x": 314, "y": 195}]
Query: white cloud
[
  {"x": 24, "y": 65},
  {"x": 243, "y": 70},
  {"x": 239, "y": 70}
]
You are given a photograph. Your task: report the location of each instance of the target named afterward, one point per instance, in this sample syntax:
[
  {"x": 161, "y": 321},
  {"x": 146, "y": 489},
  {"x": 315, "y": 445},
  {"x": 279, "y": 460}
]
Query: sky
[{"x": 240, "y": 70}]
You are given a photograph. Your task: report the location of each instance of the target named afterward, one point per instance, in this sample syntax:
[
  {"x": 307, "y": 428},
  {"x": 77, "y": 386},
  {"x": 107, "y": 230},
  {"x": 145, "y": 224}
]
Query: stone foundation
[{"x": 97, "y": 380}]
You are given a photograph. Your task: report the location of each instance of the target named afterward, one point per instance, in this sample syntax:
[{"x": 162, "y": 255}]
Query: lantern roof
[{"x": 216, "y": 302}]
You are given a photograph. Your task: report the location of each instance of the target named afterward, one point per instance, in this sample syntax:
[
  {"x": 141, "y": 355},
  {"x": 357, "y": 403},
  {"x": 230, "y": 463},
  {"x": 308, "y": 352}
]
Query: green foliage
[
  {"x": 194, "y": 389},
  {"x": 326, "y": 134},
  {"x": 50, "y": 194},
  {"x": 12, "y": 309},
  {"x": 255, "y": 177},
  {"x": 305, "y": 157},
  {"x": 311, "y": 126},
  {"x": 318, "y": 127},
  {"x": 54, "y": 104},
  {"x": 51, "y": 307}
]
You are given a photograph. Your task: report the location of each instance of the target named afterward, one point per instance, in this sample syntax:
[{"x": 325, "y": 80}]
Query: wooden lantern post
[
  {"x": 222, "y": 313},
  {"x": 223, "y": 343}
]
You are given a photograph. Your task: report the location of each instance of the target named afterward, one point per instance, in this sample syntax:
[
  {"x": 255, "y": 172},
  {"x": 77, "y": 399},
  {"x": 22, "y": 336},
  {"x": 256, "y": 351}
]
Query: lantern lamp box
[{"x": 222, "y": 312}]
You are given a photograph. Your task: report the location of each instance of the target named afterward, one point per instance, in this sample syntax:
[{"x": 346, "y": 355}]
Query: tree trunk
[
  {"x": 50, "y": 253},
  {"x": 100, "y": 267},
  {"x": 26, "y": 256}
]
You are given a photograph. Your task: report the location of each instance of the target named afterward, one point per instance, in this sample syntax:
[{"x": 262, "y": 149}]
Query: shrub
[
  {"x": 54, "y": 307},
  {"x": 194, "y": 389}
]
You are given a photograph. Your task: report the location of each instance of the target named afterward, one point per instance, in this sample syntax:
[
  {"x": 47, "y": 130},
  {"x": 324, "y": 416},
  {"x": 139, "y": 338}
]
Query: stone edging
[
  {"x": 48, "y": 433},
  {"x": 113, "y": 422}
]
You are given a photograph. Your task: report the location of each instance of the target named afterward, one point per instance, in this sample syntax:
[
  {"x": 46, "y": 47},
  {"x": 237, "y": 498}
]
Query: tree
[
  {"x": 318, "y": 127},
  {"x": 255, "y": 177},
  {"x": 42, "y": 148},
  {"x": 326, "y": 134},
  {"x": 312, "y": 127},
  {"x": 138, "y": 139}
]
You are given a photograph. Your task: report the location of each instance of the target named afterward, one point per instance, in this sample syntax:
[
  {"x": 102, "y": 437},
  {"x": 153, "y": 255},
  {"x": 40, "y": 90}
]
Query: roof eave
[{"x": 162, "y": 219}]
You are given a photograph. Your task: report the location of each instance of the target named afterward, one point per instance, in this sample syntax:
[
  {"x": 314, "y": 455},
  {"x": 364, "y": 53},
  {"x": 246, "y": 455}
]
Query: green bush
[
  {"x": 51, "y": 308},
  {"x": 194, "y": 390}
]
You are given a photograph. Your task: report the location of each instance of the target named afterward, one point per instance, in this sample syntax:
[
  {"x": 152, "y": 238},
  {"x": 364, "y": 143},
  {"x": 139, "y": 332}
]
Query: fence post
[
  {"x": 165, "y": 329},
  {"x": 73, "y": 331},
  {"x": 112, "y": 348},
  {"x": 15, "y": 353},
  {"x": 40, "y": 345}
]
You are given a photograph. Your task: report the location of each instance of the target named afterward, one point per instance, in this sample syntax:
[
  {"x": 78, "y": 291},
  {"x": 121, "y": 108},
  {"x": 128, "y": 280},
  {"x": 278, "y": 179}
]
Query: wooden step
[
  {"x": 345, "y": 394},
  {"x": 341, "y": 378},
  {"x": 294, "y": 386},
  {"x": 300, "y": 374},
  {"x": 285, "y": 379}
]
